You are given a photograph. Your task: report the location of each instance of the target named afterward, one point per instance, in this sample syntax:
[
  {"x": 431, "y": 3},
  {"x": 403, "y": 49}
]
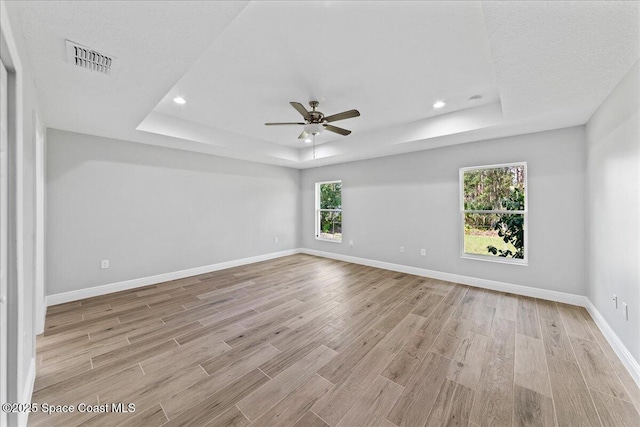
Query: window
[
  {"x": 493, "y": 209},
  {"x": 329, "y": 211}
]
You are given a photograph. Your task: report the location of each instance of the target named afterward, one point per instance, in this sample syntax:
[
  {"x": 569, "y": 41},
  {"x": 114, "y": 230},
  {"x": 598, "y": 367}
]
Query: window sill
[
  {"x": 499, "y": 260},
  {"x": 328, "y": 240}
]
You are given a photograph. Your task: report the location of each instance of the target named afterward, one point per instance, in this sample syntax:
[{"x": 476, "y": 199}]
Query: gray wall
[
  {"x": 613, "y": 207},
  {"x": 152, "y": 210},
  {"x": 412, "y": 200}
]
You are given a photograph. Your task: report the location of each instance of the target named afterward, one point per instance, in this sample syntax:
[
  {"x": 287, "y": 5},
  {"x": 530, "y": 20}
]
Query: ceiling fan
[{"x": 315, "y": 122}]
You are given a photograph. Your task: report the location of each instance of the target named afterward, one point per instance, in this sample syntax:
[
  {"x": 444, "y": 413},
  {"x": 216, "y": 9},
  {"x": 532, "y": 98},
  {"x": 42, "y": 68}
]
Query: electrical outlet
[
  {"x": 351, "y": 243},
  {"x": 104, "y": 264},
  {"x": 423, "y": 252},
  {"x": 625, "y": 311},
  {"x": 615, "y": 301},
  {"x": 402, "y": 249},
  {"x": 276, "y": 239}
]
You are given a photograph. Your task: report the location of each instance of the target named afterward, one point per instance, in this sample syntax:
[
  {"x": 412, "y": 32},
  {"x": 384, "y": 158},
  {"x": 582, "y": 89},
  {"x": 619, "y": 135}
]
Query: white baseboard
[
  {"x": 27, "y": 392},
  {"x": 152, "y": 280},
  {"x": 457, "y": 278},
  {"x": 623, "y": 353}
]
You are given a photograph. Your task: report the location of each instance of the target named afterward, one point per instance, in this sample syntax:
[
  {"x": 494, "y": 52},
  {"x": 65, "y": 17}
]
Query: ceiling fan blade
[
  {"x": 341, "y": 116},
  {"x": 337, "y": 130},
  {"x": 303, "y": 135},
  {"x": 279, "y": 124},
  {"x": 301, "y": 110}
]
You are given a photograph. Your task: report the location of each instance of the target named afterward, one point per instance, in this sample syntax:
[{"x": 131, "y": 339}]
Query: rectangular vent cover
[{"x": 89, "y": 59}]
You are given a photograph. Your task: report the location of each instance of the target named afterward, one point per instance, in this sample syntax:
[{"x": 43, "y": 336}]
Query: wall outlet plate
[
  {"x": 423, "y": 252},
  {"x": 402, "y": 249},
  {"x": 104, "y": 264}
]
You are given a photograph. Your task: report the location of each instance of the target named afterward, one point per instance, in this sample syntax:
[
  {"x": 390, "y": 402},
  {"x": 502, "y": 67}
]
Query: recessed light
[
  {"x": 179, "y": 100},
  {"x": 439, "y": 104}
]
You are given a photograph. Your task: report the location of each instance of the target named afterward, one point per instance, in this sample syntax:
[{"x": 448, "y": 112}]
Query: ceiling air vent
[{"x": 89, "y": 59}]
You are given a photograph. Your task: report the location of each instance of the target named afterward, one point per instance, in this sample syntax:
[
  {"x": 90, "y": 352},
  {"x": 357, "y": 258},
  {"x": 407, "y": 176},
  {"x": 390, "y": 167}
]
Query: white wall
[
  {"x": 152, "y": 210},
  {"x": 613, "y": 207},
  {"x": 412, "y": 200}
]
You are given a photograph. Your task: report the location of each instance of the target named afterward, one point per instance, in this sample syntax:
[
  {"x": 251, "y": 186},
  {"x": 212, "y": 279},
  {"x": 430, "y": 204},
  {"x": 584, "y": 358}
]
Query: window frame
[
  {"x": 318, "y": 210},
  {"x": 492, "y": 258}
]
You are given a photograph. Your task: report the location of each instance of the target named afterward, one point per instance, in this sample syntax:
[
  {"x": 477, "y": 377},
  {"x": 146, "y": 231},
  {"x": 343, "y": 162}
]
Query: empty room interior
[{"x": 320, "y": 214}]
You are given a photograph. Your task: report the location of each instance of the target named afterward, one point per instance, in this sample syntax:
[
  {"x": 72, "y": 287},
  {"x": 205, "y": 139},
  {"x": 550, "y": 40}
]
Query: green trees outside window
[
  {"x": 494, "y": 210},
  {"x": 329, "y": 211}
]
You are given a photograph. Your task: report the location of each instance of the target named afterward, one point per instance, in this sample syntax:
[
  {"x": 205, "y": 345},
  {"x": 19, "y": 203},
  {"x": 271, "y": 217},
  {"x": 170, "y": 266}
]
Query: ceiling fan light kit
[
  {"x": 313, "y": 128},
  {"x": 316, "y": 122}
]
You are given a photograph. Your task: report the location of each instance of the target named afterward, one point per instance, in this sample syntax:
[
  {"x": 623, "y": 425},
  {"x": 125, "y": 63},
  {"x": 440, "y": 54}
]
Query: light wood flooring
[{"x": 307, "y": 341}]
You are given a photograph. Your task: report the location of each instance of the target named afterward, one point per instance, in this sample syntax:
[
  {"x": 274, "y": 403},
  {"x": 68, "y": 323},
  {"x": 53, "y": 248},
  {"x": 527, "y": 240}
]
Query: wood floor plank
[
  {"x": 296, "y": 404},
  {"x": 502, "y": 339},
  {"x": 482, "y": 319},
  {"x": 426, "y": 306},
  {"x": 416, "y": 348},
  {"x": 373, "y": 405},
  {"x": 532, "y": 408},
  {"x": 597, "y": 371},
  {"x": 466, "y": 365},
  {"x": 232, "y": 417},
  {"x": 615, "y": 412},
  {"x": 145, "y": 393},
  {"x": 449, "y": 339},
  {"x": 573, "y": 403},
  {"x": 452, "y": 406},
  {"x": 242, "y": 366},
  {"x": 630, "y": 385},
  {"x": 493, "y": 401},
  {"x": 399, "y": 335},
  {"x": 289, "y": 357},
  {"x": 133, "y": 353},
  {"x": 420, "y": 394},
  {"x": 527, "y": 321},
  {"x": 216, "y": 380},
  {"x": 214, "y": 405},
  {"x": 547, "y": 309},
  {"x": 151, "y": 417},
  {"x": 556, "y": 340},
  {"x": 341, "y": 365},
  {"x": 193, "y": 353},
  {"x": 391, "y": 320},
  {"x": 310, "y": 420},
  {"x": 531, "y": 365},
  {"x": 337, "y": 402},
  {"x": 574, "y": 322},
  {"x": 267, "y": 396}
]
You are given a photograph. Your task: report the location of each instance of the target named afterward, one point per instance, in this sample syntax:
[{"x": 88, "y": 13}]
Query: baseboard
[
  {"x": 616, "y": 344},
  {"x": 625, "y": 356},
  {"x": 27, "y": 392},
  {"x": 457, "y": 278},
  {"x": 152, "y": 280}
]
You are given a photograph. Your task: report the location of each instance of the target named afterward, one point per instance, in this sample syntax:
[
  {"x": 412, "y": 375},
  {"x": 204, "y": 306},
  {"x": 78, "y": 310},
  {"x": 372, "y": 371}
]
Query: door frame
[
  {"x": 4, "y": 243},
  {"x": 39, "y": 217},
  {"x": 17, "y": 390}
]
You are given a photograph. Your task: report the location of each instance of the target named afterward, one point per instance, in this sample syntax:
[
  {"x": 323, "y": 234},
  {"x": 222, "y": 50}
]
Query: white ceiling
[{"x": 538, "y": 66}]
